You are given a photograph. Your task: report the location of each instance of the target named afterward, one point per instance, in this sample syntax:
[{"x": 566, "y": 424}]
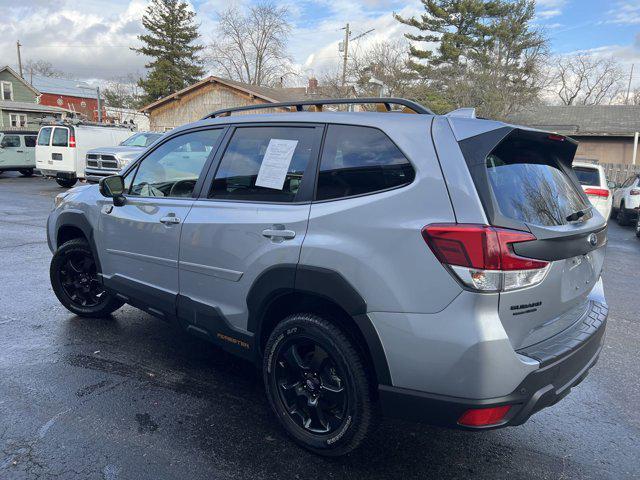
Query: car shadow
[{"x": 231, "y": 421}]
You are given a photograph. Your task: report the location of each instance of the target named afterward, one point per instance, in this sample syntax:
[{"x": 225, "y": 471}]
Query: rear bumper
[{"x": 565, "y": 361}]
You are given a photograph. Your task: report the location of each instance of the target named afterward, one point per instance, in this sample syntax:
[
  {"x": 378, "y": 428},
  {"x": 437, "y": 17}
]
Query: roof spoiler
[{"x": 462, "y": 113}]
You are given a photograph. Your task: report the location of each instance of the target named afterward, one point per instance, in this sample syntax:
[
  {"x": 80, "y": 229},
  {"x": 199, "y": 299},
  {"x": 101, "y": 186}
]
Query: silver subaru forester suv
[{"x": 437, "y": 268}]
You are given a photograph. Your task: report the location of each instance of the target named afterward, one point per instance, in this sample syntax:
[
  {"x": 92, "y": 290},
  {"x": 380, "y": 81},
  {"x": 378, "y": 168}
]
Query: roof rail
[{"x": 385, "y": 103}]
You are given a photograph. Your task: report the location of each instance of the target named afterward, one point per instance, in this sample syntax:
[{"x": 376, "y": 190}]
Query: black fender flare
[
  {"x": 77, "y": 219},
  {"x": 324, "y": 283}
]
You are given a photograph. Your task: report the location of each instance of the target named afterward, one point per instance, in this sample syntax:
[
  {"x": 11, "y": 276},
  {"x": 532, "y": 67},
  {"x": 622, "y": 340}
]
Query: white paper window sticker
[{"x": 275, "y": 163}]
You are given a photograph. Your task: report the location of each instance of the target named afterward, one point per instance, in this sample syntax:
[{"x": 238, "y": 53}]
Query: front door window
[{"x": 173, "y": 169}]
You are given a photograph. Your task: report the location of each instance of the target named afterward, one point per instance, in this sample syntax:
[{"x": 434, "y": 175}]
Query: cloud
[
  {"x": 624, "y": 13},
  {"x": 549, "y": 13}
]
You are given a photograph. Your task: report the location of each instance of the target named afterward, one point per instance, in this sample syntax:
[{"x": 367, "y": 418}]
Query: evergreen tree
[
  {"x": 488, "y": 54},
  {"x": 460, "y": 27},
  {"x": 169, "y": 42}
]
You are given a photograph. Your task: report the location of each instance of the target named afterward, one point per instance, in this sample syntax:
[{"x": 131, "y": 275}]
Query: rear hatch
[
  {"x": 593, "y": 184},
  {"x": 525, "y": 182},
  {"x": 56, "y": 149}
]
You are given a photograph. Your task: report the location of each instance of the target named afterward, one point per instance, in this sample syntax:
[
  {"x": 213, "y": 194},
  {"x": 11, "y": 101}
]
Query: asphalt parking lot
[{"x": 134, "y": 398}]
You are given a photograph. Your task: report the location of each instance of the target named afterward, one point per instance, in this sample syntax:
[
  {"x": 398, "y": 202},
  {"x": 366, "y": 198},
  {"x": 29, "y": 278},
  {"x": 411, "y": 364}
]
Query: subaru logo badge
[{"x": 593, "y": 239}]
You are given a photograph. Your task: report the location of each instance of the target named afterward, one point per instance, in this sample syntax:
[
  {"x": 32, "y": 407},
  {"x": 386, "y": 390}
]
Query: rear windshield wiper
[{"x": 575, "y": 216}]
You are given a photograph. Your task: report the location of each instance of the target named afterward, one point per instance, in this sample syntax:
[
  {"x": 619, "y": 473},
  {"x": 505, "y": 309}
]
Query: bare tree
[
  {"x": 584, "y": 79},
  {"x": 123, "y": 92},
  {"x": 252, "y": 44},
  {"x": 43, "y": 69},
  {"x": 382, "y": 69}
]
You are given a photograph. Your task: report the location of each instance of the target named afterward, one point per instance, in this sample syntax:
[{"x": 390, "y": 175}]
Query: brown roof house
[
  {"x": 607, "y": 133},
  {"x": 215, "y": 93}
]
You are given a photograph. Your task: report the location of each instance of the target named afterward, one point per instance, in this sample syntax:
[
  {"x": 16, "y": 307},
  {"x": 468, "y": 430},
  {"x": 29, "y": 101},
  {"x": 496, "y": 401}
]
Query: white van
[{"x": 61, "y": 149}]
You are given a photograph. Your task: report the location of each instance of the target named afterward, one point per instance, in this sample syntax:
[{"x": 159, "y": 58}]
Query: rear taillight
[
  {"x": 634, "y": 191},
  {"x": 598, "y": 192},
  {"x": 482, "y": 257},
  {"x": 72, "y": 141},
  {"x": 484, "y": 417}
]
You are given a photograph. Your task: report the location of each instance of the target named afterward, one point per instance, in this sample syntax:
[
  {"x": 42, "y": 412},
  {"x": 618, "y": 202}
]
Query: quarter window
[
  {"x": 173, "y": 169},
  {"x": 359, "y": 160},
  {"x": 60, "y": 137},
  {"x": 264, "y": 164},
  {"x": 44, "y": 136},
  {"x": 11, "y": 141}
]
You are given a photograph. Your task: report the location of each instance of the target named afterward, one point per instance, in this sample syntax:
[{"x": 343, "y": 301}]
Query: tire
[
  {"x": 337, "y": 384},
  {"x": 66, "y": 182},
  {"x": 622, "y": 218},
  {"x": 75, "y": 282},
  {"x": 26, "y": 172}
]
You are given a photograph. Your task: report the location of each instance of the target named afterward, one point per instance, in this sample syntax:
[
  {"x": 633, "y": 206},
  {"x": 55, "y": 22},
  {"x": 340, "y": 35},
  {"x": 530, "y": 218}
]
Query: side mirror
[
  {"x": 113, "y": 187},
  {"x": 612, "y": 185}
]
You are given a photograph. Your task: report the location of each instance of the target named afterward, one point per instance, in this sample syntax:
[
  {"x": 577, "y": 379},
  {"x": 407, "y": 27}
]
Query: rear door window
[
  {"x": 587, "y": 176},
  {"x": 60, "y": 137},
  {"x": 30, "y": 141},
  {"x": 264, "y": 164},
  {"x": 529, "y": 185},
  {"x": 44, "y": 136},
  {"x": 359, "y": 160}
]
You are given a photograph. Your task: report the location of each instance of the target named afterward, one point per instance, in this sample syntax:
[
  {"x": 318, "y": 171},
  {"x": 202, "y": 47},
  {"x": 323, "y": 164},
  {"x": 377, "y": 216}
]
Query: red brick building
[{"x": 68, "y": 94}]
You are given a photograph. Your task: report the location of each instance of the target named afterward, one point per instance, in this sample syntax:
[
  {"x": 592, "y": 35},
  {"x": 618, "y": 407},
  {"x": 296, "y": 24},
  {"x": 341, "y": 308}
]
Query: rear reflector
[
  {"x": 484, "y": 417},
  {"x": 482, "y": 257},
  {"x": 556, "y": 138},
  {"x": 598, "y": 192}
]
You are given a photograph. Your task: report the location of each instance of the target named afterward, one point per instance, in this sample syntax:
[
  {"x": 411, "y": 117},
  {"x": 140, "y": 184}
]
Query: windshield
[
  {"x": 141, "y": 140},
  {"x": 587, "y": 176},
  {"x": 530, "y": 186}
]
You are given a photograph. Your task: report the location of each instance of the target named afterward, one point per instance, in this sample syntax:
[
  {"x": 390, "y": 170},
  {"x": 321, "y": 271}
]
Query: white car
[
  {"x": 626, "y": 200},
  {"x": 595, "y": 185}
]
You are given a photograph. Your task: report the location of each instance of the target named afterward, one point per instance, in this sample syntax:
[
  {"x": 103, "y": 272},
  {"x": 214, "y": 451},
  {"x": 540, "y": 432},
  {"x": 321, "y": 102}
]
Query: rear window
[
  {"x": 30, "y": 141},
  {"x": 587, "y": 176},
  {"x": 60, "y": 137},
  {"x": 44, "y": 136},
  {"x": 529, "y": 185}
]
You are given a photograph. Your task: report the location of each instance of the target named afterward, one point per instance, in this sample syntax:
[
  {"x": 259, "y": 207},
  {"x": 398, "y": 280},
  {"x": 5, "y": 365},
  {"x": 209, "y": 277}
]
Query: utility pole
[
  {"x": 18, "y": 45},
  {"x": 626, "y": 100},
  {"x": 99, "y": 106},
  {"x": 347, "y": 32}
]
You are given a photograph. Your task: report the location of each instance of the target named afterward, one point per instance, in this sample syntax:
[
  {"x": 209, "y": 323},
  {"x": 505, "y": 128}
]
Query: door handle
[
  {"x": 170, "y": 220},
  {"x": 278, "y": 232},
  {"x": 19, "y": 151}
]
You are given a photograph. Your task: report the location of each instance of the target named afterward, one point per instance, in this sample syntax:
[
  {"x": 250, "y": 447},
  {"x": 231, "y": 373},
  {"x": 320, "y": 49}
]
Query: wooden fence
[{"x": 619, "y": 172}]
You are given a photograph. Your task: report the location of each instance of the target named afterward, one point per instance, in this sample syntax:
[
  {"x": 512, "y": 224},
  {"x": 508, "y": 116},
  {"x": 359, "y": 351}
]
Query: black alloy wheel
[
  {"x": 75, "y": 280},
  {"x": 311, "y": 386},
  {"x": 318, "y": 385},
  {"x": 79, "y": 279}
]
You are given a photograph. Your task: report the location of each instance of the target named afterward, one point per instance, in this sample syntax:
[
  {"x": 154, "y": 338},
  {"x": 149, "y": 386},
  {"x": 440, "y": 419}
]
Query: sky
[{"x": 89, "y": 39}]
